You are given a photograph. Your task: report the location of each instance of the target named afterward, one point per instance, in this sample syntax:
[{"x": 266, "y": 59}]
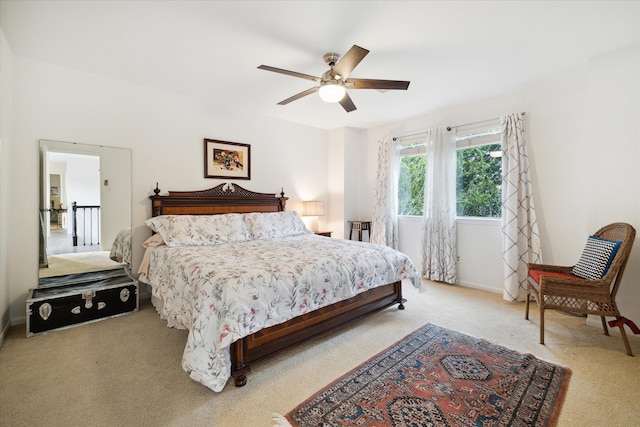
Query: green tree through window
[
  {"x": 411, "y": 185},
  {"x": 479, "y": 182}
]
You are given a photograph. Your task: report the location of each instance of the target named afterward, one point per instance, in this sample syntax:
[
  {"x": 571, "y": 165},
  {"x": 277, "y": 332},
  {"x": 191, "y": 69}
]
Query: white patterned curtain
[
  {"x": 384, "y": 224},
  {"x": 439, "y": 240},
  {"x": 520, "y": 237}
]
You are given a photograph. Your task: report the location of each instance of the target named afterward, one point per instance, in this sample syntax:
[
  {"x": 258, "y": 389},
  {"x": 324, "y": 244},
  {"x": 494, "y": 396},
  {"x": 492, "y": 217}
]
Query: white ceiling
[{"x": 452, "y": 51}]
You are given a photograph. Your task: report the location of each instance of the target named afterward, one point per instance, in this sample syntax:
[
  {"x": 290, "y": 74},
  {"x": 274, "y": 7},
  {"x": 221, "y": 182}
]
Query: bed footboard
[{"x": 276, "y": 339}]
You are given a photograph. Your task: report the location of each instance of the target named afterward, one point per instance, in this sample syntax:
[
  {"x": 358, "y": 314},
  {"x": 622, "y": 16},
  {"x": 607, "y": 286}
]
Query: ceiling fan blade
[
  {"x": 290, "y": 73},
  {"x": 377, "y": 84},
  {"x": 298, "y": 96},
  {"x": 348, "y": 62},
  {"x": 347, "y": 103}
]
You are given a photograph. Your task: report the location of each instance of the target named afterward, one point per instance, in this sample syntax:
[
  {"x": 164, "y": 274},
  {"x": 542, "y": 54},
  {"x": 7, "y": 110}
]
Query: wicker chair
[{"x": 554, "y": 287}]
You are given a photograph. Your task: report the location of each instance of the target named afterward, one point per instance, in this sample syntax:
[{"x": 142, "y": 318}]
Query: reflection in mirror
[{"x": 85, "y": 210}]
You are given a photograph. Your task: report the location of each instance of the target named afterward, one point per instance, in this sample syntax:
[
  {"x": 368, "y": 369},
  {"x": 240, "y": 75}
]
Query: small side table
[
  {"x": 360, "y": 226},
  {"x": 324, "y": 233}
]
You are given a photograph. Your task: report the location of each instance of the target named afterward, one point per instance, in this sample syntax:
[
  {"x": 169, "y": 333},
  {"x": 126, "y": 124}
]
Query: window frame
[
  {"x": 467, "y": 136},
  {"x": 472, "y": 136}
]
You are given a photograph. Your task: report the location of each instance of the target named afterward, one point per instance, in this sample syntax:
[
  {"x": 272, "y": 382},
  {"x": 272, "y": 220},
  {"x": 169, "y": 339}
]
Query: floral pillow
[
  {"x": 271, "y": 225},
  {"x": 199, "y": 230}
]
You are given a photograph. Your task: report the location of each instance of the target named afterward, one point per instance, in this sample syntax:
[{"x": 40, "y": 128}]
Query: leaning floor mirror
[
  {"x": 85, "y": 237},
  {"x": 85, "y": 210}
]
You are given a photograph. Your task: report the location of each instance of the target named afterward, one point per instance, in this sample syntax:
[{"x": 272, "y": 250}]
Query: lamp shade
[
  {"x": 331, "y": 91},
  {"x": 312, "y": 208}
]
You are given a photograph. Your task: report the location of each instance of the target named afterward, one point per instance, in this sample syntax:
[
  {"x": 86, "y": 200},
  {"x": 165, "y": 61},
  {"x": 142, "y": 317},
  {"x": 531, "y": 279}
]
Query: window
[
  {"x": 479, "y": 182},
  {"x": 413, "y": 166},
  {"x": 478, "y": 174}
]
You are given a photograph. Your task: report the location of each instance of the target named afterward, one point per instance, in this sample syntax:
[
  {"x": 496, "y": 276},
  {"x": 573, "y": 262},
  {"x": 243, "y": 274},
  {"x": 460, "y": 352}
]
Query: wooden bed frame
[{"x": 268, "y": 342}]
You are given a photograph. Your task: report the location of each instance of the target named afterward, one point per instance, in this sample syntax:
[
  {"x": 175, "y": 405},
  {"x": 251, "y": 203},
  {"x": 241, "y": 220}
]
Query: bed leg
[
  {"x": 240, "y": 380},
  {"x": 400, "y": 300},
  {"x": 238, "y": 367}
]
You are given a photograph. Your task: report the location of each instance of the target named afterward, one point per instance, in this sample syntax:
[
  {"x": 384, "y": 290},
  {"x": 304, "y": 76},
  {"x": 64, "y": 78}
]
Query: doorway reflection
[{"x": 85, "y": 222}]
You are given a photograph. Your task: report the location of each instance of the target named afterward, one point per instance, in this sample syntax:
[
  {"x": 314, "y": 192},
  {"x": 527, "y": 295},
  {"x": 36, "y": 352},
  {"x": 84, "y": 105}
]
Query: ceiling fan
[{"x": 335, "y": 81}]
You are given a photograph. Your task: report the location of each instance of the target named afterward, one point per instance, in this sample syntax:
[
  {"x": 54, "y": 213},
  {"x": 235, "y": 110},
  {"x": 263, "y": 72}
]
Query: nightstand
[{"x": 324, "y": 233}]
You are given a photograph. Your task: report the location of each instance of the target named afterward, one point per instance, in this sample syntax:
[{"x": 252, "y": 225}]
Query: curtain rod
[
  {"x": 395, "y": 138},
  {"x": 449, "y": 128}
]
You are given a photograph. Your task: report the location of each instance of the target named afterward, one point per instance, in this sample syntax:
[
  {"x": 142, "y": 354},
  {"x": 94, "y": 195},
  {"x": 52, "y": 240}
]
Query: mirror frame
[{"x": 115, "y": 167}]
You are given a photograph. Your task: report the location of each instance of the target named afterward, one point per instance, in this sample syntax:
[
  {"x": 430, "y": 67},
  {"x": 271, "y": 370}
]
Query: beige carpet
[
  {"x": 126, "y": 371},
  {"x": 81, "y": 262}
]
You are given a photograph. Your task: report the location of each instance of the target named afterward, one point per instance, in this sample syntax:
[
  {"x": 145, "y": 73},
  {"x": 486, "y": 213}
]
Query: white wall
[
  {"x": 165, "y": 133},
  {"x": 335, "y": 184},
  {"x": 583, "y": 133},
  {"x": 480, "y": 237},
  {"x": 6, "y": 121},
  {"x": 354, "y": 153},
  {"x": 612, "y": 187}
]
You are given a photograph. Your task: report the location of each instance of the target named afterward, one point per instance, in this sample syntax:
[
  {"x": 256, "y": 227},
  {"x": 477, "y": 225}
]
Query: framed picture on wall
[{"x": 223, "y": 159}]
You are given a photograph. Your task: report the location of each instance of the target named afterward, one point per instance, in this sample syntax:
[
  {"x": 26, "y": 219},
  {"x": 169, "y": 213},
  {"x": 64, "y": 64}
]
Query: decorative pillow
[
  {"x": 271, "y": 225},
  {"x": 596, "y": 258},
  {"x": 199, "y": 230}
]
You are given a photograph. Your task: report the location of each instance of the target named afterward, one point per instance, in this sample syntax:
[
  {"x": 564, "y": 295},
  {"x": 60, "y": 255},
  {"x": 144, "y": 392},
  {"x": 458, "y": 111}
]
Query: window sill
[
  {"x": 409, "y": 218},
  {"x": 459, "y": 220},
  {"x": 478, "y": 221}
]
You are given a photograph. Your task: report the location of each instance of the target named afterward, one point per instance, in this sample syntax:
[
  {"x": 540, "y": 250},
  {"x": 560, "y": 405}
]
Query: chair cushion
[
  {"x": 596, "y": 258},
  {"x": 535, "y": 274}
]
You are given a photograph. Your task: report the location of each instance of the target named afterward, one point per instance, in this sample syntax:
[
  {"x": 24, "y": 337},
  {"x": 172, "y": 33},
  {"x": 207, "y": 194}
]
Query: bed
[{"x": 249, "y": 281}]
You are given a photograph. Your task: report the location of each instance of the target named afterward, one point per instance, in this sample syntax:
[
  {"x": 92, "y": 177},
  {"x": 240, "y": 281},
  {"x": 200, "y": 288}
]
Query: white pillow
[
  {"x": 199, "y": 230},
  {"x": 271, "y": 225}
]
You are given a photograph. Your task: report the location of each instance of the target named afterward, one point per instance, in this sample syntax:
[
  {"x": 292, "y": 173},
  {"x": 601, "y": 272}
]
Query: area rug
[{"x": 438, "y": 377}]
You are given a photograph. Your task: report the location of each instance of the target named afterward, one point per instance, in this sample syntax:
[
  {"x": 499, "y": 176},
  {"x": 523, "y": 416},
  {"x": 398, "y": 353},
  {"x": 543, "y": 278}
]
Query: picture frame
[{"x": 224, "y": 159}]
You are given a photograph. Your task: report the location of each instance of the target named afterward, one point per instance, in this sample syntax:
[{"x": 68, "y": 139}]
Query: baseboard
[
  {"x": 4, "y": 332},
  {"x": 144, "y": 291},
  {"x": 19, "y": 320},
  {"x": 5, "y": 324},
  {"x": 479, "y": 286}
]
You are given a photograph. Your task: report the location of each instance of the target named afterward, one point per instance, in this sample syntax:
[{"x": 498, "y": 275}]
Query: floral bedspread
[
  {"x": 223, "y": 292},
  {"x": 121, "y": 249}
]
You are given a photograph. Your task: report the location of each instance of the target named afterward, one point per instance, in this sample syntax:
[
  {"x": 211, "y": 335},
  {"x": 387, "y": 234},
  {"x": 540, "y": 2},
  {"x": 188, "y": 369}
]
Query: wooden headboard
[{"x": 224, "y": 198}]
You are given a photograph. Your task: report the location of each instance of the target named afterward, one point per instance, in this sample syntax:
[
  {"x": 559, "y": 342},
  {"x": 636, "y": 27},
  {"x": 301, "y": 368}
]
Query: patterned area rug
[{"x": 438, "y": 377}]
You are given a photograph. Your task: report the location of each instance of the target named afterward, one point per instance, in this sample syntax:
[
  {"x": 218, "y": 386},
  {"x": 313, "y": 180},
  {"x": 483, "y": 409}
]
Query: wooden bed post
[
  {"x": 238, "y": 367},
  {"x": 401, "y": 300}
]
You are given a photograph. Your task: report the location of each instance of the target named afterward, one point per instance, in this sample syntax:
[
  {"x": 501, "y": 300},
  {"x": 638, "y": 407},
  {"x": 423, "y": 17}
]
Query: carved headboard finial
[{"x": 156, "y": 190}]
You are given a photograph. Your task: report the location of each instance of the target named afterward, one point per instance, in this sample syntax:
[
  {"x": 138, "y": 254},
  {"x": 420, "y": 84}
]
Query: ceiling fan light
[{"x": 331, "y": 91}]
